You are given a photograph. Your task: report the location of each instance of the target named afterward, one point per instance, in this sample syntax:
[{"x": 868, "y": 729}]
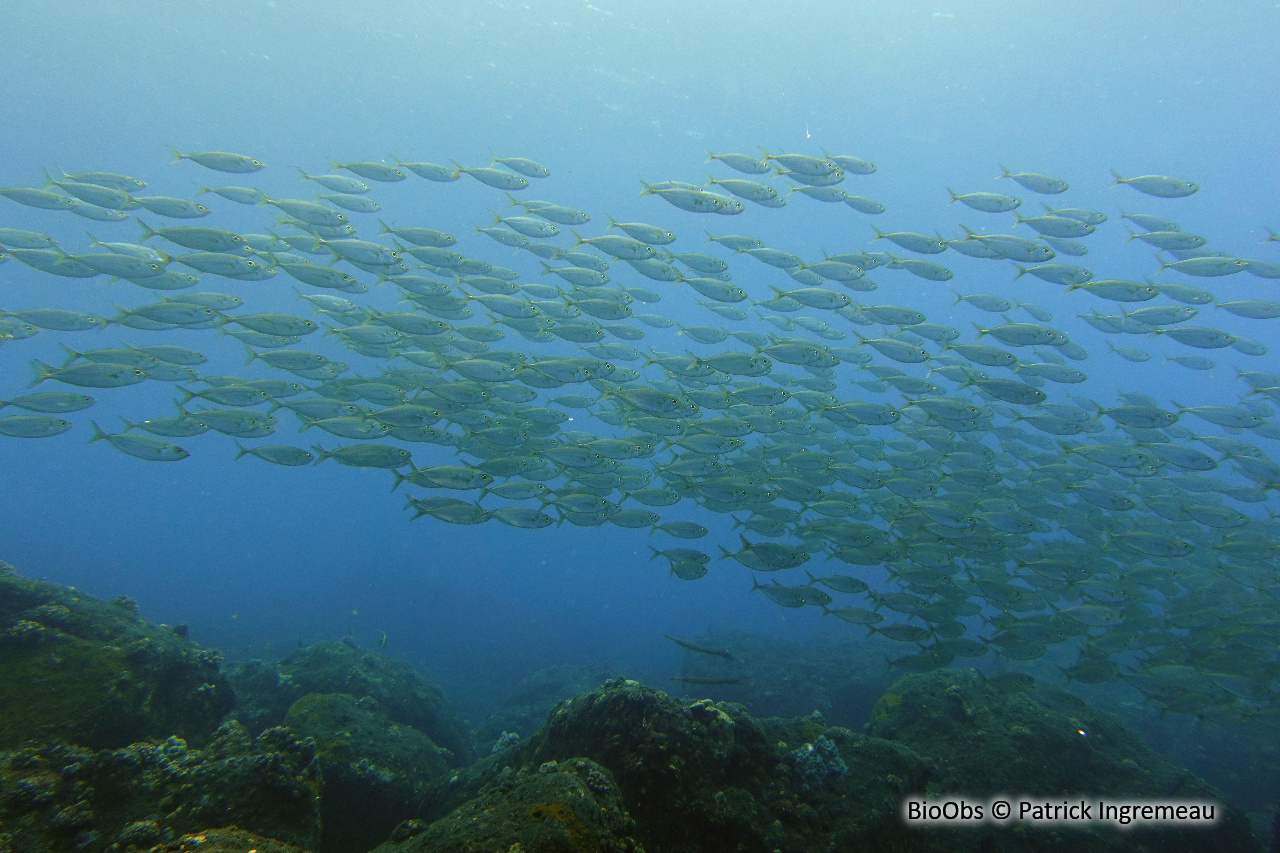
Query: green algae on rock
[
  {"x": 59, "y": 798},
  {"x": 557, "y": 807},
  {"x": 93, "y": 673},
  {"x": 228, "y": 840},
  {"x": 706, "y": 776},
  {"x": 375, "y": 771},
  {"x": 335, "y": 666},
  {"x": 987, "y": 736}
]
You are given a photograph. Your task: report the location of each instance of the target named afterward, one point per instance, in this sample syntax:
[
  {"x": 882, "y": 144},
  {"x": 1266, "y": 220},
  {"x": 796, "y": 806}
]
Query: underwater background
[{"x": 258, "y": 558}]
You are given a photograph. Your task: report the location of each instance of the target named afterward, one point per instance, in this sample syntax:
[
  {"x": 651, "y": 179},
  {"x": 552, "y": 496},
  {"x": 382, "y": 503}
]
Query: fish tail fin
[
  {"x": 577, "y": 237},
  {"x": 400, "y": 478},
  {"x": 98, "y": 434},
  {"x": 304, "y": 174},
  {"x": 514, "y": 201},
  {"x": 147, "y": 232},
  {"x": 1117, "y": 179},
  {"x": 189, "y": 396},
  {"x": 177, "y": 155},
  {"x": 656, "y": 552},
  {"x": 648, "y": 187},
  {"x": 321, "y": 453},
  {"x": 242, "y": 451},
  {"x": 1021, "y": 270},
  {"x": 334, "y": 163},
  {"x": 981, "y": 331},
  {"x": 43, "y": 371},
  {"x": 72, "y": 355},
  {"x": 755, "y": 583},
  {"x": 1004, "y": 172},
  {"x": 954, "y": 197},
  {"x": 1162, "y": 263},
  {"x": 812, "y": 578},
  {"x": 879, "y": 234},
  {"x": 124, "y": 313},
  {"x": 613, "y": 223},
  {"x": 1132, "y": 235}
]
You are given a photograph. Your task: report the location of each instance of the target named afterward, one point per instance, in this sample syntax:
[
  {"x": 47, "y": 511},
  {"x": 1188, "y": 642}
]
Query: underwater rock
[
  {"x": 706, "y": 776},
  {"x": 229, "y": 840},
  {"x": 336, "y": 666},
  {"x": 559, "y": 806},
  {"x": 61, "y": 798},
  {"x": 263, "y": 694},
  {"x": 1001, "y": 735},
  {"x": 375, "y": 770},
  {"x": 93, "y": 673},
  {"x": 818, "y": 761},
  {"x": 526, "y": 710}
]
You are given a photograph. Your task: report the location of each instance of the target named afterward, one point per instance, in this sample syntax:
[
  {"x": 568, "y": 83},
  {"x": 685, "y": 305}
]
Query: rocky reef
[
  {"x": 376, "y": 771},
  {"x": 79, "y": 670},
  {"x": 60, "y": 798},
  {"x": 707, "y": 776},
  {"x": 122, "y": 737},
  {"x": 383, "y": 733},
  {"x": 572, "y": 805},
  {"x": 266, "y": 692}
]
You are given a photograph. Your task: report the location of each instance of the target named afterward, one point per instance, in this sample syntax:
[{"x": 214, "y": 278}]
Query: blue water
[{"x": 257, "y": 557}]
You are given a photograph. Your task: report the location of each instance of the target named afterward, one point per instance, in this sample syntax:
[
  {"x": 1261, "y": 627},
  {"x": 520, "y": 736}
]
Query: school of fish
[{"x": 1011, "y": 516}]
